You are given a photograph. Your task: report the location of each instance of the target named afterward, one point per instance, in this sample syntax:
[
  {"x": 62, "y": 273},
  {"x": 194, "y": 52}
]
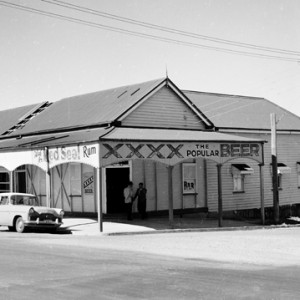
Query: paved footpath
[{"x": 85, "y": 226}]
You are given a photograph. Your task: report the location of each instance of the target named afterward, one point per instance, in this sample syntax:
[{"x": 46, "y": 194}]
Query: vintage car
[{"x": 19, "y": 211}]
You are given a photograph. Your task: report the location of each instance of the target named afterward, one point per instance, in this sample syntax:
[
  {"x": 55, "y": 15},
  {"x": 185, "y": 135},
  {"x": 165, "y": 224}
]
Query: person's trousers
[
  {"x": 129, "y": 210},
  {"x": 142, "y": 208}
]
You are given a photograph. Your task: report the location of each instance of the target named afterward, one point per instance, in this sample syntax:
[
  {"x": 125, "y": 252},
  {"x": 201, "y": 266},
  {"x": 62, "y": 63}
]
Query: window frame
[
  {"x": 6, "y": 183},
  {"x": 298, "y": 174},
  {"x": 239, "y": 171},
  {"x": 287, "y": 170},
  {"x": 238, "y": 181},
  {"x": 189, "y": 181},
  {"x": 279, "y": 181}
]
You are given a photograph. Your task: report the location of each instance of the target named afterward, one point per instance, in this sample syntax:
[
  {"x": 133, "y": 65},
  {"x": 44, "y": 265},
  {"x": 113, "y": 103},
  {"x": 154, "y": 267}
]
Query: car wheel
[{"x": 20, "y": 226}]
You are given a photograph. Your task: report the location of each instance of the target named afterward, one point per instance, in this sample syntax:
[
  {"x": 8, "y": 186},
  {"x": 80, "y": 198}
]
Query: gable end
[{"x": 164, "y": 109}]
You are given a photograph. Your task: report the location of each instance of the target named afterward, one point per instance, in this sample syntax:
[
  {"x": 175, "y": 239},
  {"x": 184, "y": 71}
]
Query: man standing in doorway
[
  {"x": 128, "y": 199},
  {"x": 142, "y": 200}
]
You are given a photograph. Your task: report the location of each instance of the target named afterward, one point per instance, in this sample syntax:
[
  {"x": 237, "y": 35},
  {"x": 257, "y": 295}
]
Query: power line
[
  {"x": 168, "y": 29},
  {"x": 144, "y": 35}
]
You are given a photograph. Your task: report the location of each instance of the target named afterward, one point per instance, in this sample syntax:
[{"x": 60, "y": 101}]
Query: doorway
[
  {"x": 20, "y": 180},
  {"x": 116, "y": 180}
]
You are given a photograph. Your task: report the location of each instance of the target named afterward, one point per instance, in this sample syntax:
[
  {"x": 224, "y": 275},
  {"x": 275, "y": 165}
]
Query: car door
[{"x": 4, "y": 210}]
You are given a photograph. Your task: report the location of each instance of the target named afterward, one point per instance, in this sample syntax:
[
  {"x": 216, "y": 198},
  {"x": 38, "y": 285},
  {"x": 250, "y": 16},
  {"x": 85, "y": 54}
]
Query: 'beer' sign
[{"x": 172, "y": 153}]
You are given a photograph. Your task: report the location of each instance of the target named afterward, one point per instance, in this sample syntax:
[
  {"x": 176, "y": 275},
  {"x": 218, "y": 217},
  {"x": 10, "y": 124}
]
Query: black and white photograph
[{"x": 149, "y": 149}]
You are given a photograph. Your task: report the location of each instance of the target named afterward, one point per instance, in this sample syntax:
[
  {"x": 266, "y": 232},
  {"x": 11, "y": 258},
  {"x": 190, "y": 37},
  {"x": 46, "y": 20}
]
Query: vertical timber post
[
  {"x": 156, "y": 185},
  {"x": 48, "y": 179},
  {"x": 99, "y": 197},
  {"x": 170, "y": 189},
  {"x": 220, "y": 204},
  {"x": 262, "y": 193},
  {"x": 274, "y": 168},
  {"x": 11, "y": 181}
]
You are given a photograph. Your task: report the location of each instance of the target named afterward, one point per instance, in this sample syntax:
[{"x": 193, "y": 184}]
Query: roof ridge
[
  {"x": 224, "y": 95},
  {"x": 114, "y": 88}
]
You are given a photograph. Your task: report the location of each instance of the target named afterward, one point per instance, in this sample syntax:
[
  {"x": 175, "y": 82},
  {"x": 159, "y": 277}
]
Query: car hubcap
[{"x": 20, "y": 225}]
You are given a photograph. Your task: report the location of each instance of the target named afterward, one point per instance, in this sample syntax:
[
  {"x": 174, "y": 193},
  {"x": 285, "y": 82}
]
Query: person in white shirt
[{"x": 128, "y": 199}]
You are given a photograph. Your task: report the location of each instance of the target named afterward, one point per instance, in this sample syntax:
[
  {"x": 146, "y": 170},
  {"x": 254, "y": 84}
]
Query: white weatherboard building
[{"x": 192, "y": 150}]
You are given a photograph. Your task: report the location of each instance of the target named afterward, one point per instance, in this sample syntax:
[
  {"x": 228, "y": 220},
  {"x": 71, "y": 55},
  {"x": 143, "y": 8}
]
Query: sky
[{"x": 47, "y": 58}]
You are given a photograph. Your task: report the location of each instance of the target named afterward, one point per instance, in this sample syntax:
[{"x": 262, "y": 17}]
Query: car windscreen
[{"x": 24, "y": 200}]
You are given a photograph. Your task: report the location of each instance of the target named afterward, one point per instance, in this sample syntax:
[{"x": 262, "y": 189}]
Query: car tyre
[{"x": 20, "y": 225}]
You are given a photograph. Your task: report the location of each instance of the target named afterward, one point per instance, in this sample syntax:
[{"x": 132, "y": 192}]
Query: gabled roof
[
  {"x": 241, "y": 112},
  {"x": 105, "y": 107},
  {"x": 89, "y": 109},
  {"x": 10, "y": 117},
  {"x": 98, "y": 108}
]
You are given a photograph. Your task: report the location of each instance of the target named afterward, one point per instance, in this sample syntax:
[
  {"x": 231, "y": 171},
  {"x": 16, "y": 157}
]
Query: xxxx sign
[{"x": 172, "y": 153}]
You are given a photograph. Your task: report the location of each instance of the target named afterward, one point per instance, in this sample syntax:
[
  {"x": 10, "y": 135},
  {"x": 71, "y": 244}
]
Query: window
[
  {"x": 279, "y": 181},
  {"x": 238, "y": 182},
  {"x": 239, "y": 171},
  {"x": 298, "y": 173},
  {"x": 189, "y": 178},
  {"x": 4, "y": 200},
  {"x": 281, "y": 170},
  {"x": 4, "y": 182}
]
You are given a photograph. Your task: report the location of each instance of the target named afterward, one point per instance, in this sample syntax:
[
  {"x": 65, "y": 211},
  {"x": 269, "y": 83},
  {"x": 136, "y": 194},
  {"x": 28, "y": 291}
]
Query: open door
[
  {"x": 116, "y": 180},
  {"x": 20, "y": 180}
]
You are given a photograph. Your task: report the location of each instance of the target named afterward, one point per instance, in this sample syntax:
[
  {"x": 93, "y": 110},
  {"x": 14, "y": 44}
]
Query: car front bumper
[{"x": 44, "y": 223}]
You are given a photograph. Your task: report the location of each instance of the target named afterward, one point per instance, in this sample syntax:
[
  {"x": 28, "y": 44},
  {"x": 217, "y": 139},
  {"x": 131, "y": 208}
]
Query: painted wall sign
[
  {"x": 88, "y": 183},
  {"x": 189, "y": 178},
  {"x": 88, "y": 154},
  {"x": 189, "y": 186},
  {"x": 15, "y": 159},
  {"x": 172, "y": 153}
]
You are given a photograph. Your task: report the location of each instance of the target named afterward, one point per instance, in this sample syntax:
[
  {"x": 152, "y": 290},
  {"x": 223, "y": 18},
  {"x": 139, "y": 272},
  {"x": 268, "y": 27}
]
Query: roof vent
[
  {"x": 135, "y": 92},
  {"x": 122, "y": 94},
  {"x": 23, "y": 120}
]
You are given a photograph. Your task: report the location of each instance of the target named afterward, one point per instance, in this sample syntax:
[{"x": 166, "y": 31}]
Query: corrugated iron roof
[
  {"x": 130, "y": 134},
  {"x": 136, "y": 134},
  {"x": 52, "y": 140},
  {"x": 94, "y": 109},
  {"x": 89, "y": 109},
  {"x": 10, "y": 117},
  {"x": 228, "y": 111}
]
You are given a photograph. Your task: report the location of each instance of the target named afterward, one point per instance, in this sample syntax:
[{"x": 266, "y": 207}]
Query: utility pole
[{"x": 274, "y": 168}]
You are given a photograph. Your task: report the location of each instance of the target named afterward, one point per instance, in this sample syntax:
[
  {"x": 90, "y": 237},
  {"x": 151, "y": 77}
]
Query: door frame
[
  {"x": 16, "y": 178},
  {"x": 104, "y": 185}
]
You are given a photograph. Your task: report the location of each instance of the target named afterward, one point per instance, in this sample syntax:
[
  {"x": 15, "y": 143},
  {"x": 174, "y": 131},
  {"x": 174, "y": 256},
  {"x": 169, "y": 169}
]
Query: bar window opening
[
  {"x": 281, "y": 170},
  {"x": 189, "y": 178},
  {"x": 239, "y": 171},
  {"x": 298, "y": 173}
]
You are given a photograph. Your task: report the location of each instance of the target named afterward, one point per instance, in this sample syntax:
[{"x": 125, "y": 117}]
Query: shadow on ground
[{"x": 187, "y": 221}]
